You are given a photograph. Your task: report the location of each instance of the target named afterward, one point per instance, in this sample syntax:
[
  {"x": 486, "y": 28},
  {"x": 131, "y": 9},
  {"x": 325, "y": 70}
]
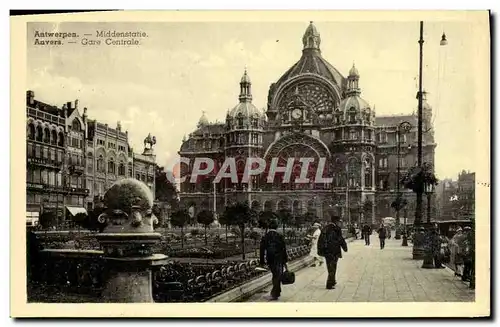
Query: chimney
[
  {"x": 76, "y": 104},
  {"x": 69, "y": 104},
  {"x": 30, "y": 96},
  {"x": 65, "y": 110}
]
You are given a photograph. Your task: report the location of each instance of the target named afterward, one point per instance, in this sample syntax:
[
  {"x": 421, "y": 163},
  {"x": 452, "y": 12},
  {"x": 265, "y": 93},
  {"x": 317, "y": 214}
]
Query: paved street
[{"x": 368, "y": 274}]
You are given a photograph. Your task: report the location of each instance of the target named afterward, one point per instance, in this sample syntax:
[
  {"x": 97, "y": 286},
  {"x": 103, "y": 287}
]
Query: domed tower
[
  {"x": 354, "y": 137},
  {"x": 244, "y": 129}
]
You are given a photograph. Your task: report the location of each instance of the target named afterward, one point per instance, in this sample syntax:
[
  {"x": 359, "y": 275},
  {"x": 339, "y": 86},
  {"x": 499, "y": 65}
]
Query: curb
[
  {"x": 248, "y": 289},
  {"x": 254, "y": 286}
]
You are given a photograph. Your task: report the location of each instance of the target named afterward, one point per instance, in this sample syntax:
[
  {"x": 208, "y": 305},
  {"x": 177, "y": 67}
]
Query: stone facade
[
  {"x": 312, "y": 111},
  {"x": 72, "y": 160}
]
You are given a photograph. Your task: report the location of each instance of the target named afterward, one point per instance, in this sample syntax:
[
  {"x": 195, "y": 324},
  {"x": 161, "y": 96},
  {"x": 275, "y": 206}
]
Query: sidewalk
[{"x": 368, "y": 274}]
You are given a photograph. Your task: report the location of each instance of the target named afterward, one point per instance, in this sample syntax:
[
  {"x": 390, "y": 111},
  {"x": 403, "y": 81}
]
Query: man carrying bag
[
  {"x": 330, "y": 245},
  {"x": 273, "y": 250}
]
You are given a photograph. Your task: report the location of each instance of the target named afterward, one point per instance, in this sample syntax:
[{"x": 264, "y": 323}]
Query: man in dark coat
[
  {"x": 273, "y": 250},
  {"x": 330, "y": 245},
  {"x": 367, "y": 231},
  {"x": 382, "y": 233}
]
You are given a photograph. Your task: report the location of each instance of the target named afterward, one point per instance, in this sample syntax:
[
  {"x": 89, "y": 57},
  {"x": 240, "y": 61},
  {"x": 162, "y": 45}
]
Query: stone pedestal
[
  {"x": 127, "y": 242},
  {"x": 130, "y": 280}
]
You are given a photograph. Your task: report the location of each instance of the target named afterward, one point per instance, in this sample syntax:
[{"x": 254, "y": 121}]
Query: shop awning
[
  {"x": 76, "y": 210},
  {"x": 32, "y": 215}
]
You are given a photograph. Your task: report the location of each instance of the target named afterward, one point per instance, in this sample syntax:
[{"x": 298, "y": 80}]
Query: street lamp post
[
  {"x": 418, "y": 244},
  {"x": 428, "y": 259},
  {"x": 429, "y": 189},
  {"x": 402, "y": 127}
]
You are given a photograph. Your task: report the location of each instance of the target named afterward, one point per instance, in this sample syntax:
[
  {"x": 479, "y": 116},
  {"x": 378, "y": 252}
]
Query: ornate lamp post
[
  {"x": 429, "y": 190},
  {"x": 417, "y": 246},
  {"x": 403, "y": 127},
  {"x": 428, "y": 259}
]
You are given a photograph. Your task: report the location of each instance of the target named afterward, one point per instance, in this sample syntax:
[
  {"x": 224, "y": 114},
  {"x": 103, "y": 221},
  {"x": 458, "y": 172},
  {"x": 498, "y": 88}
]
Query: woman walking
[{"x": 314, "y": 244}]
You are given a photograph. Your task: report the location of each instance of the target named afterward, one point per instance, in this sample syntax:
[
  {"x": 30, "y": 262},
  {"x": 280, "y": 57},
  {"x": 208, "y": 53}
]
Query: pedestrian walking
[
  {"x": 436, "y": 248},
  {"x": 314, "y": 245},
  {"x": 467, "y": 254},
  {"x": 382, "y": 233},
  {"x": 273, "y": 253},
  {"x": 367, "y": 231},
  {"x": 330, "y": 245}
]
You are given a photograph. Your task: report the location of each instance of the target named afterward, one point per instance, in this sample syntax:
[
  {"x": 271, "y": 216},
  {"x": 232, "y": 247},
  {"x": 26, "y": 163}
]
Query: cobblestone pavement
[{"x": 369, "y": 274}]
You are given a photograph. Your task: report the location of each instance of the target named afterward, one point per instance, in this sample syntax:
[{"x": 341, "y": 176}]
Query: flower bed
[{"x": 183, "y": 283}]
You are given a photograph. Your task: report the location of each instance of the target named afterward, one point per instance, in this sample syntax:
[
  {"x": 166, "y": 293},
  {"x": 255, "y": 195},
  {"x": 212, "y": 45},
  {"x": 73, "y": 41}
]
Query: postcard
[{"x": 314, "y": 164}]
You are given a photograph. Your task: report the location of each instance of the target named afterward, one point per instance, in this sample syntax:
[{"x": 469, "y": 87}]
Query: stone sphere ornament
[
  {"x": 128, "y": 207},
  {"x": 128, "y": 215}
]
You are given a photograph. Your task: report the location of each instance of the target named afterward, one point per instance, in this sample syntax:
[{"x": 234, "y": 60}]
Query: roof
[
  {"x": 247, "y": 109},
  {"x": 312, "y": 62},
  {"x": 394, "y": 120},
  {"x": 355, "y": 102},
  {"x": 215, "y": 128}
]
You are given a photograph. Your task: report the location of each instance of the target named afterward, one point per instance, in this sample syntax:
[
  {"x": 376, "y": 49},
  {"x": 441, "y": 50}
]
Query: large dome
[
  {"x": 312, "y": 62},
  {"x": 354, "y": 102},
  {"x": 247, "y": 109}
]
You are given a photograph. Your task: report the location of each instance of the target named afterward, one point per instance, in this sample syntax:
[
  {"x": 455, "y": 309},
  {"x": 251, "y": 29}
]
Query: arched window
[
  {"x": 53, "y": 137},
  {"x": 100, "y": 164},
  {"x": 240, "y": 120},
  {"x": 111, "y": 166},
  {"x": 39, "y": 133},
  {"x": 46, "y": 135},
  {"x": 352, "y": 115},
  {"x": 75, "y": 125},
  {"x": 353, "y": 173},
  {"x": 368, "y": 173},
  {"x": 61, "y": 139},
  {"x": 121, "y": 169},
  {"x": 90, "y": 162},
  {"x": 31, "y": 131}
]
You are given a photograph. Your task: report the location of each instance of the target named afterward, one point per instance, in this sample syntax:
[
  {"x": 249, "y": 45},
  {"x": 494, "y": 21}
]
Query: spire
[
  {"x": 245, "y": 88},
  {"x": 353, "y": 82},
  {"x": 311, "y": 39}
]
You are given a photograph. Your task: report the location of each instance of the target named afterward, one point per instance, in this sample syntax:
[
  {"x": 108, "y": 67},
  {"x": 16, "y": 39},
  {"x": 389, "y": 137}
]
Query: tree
[
  {"x": 165, "y": 191},
  {"x": 47, "y": 219},
  {"x": 240, "y": 215},
  {"x": 285, "y": 218},
  {"x": 81, "y": 220},
  {"x": 308, "y": 218},
  {"x": 416, "y": 178},
  {"x": 265, "y": 218},
  {"x": 205, "y": 217},
  {"x": 225, "y": 219},
  {"x": 179, "y": 219}
]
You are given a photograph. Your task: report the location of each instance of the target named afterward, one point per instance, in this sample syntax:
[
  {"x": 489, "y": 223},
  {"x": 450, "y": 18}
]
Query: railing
[
  {"x": 62, "y": 275},
  {"x": 45, "y": 162}
]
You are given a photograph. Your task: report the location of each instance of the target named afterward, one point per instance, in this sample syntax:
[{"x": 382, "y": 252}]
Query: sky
[{"x": 183, "y": 68}]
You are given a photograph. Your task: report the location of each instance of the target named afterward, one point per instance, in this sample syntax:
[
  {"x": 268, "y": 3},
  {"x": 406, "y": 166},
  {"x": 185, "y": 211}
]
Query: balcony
[
  {"x": 44, "y": 162},
  {"x": 47, "y": 188},
  {"x": 77, "y": 169}
]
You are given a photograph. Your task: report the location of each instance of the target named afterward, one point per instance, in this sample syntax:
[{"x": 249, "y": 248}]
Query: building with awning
[
  {"x": 32, "y": 218},
  {"x": 76, "y": 210}
]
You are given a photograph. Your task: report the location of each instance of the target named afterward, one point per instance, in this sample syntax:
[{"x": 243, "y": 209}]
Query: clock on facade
[{"x": 296, "y": 114}]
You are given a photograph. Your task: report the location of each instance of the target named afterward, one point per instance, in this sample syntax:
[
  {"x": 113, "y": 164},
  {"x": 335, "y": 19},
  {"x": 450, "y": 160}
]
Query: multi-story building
[
  {"x": 72, "y": 161},
  {"x": 49, "y": 168},
  {"x": 76, "y": 130},
  {"x": 109, "y": 158},
  {"x": 466, "y": 194},
  {"x": 312, "y": 111},
  {"x": 446, "y": 193}
]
